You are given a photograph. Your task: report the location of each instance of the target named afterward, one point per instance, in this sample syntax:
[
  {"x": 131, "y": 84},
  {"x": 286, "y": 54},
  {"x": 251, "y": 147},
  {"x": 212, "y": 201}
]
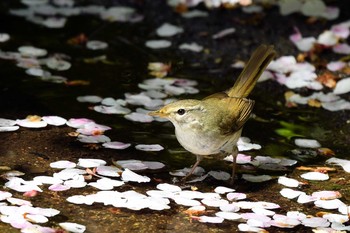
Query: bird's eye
[{"x": 181, "y": 111}]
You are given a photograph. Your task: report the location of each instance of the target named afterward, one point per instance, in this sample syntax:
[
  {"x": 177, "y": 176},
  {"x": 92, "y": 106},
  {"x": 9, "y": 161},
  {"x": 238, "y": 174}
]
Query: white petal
[
  {"x": 315, "y": 176},
  {"x": 290, "y": 193},
  {"x": 326, "y": 195},
  {"x": 329, "y": 204},
  {"x": 108, "y": 171},
  {"x": 304, "y": 198},
  {"x": 168, "y": 187},
  {"x": 289, "y": 182},
  {"x": 342, "y": 86},
  {"x": 167, "y": 30},
  {"x": 336, "y": 218},
  {"x": 315, "y": 222},
  {"x": 186, "y": 202},
  {"x": 214, "y": 202},
  {"x": 73, "y": 227},
  {"x": 54, "y": 120},
  {"x": 47, "y": 180},
  {"x": 150, "y": 147},
  {"x": 116, "y": 145},
  {"x": 88, "y": 163},
  {"x": 307, "y": 143},
  {"x": 158, "y": 44},
  {"x": 194, "y": 47},
  {"x": 62, "y": 164},
  {"x": 129, "y": 175},
  {"x": 223, "y": 190},
  {"x": 236, "y": 196},
  {"x": 246, "y": 228},
  {"x": 209, "y": 219}
]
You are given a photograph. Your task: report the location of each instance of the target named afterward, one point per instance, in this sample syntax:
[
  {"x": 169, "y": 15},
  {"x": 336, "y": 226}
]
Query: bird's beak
[{"x": 159, "y": 113}]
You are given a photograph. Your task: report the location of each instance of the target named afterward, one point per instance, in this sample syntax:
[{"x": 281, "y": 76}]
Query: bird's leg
[
  {"x": 199, "y": 159},
  {"x": 234, "y": 155}
]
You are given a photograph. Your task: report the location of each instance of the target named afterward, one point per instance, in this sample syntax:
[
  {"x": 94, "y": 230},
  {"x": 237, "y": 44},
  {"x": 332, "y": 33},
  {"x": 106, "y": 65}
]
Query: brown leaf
[
  {"x": 314, "y": 103},
  {"x": 328, "y": 79}
]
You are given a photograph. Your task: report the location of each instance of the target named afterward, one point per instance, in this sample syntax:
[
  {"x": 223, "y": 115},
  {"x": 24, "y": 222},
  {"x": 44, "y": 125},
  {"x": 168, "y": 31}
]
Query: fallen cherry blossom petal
[
  {"x": 19, "y": 202},
  {"x": 229, "y": 207},
  {"x": 223, "y": 190},
  {"x": 139, "y": 117},
  {"x": 345, "y": 164},
  {"x": 62, "y": 164},
  {"x": 153, "y": 165},
  {"x": 168, "y": 187},
  {"x": 342, "y": 86},
  {"x": 340, "y": 227},
  {"x": 8, "y": 128},
  {"x": 326, "y": 195},
  {"x": 78, "y": 122},
  {"x": 223, "y": 33},
  {"x": 185, "y": 201},
  {"x": 241, "y": 159},
  {"x": 58, "y": 64},
  {"x": 228, "y": 215},
  {"x": 289, "y": 182},
  {"x": 4, "y": 195},
  {"x": 88, "y": 163},
  {"x": 290, "y": 193},
  {"x": 96, "y": 45},
  {"x": 341, "y": 48},
  {"x": 129, "y": 175},
  {"x": 304, "y": 198},
  {"x": 314, "y": 176},
  {"x": 54, "y": 120},
  {"x": 69, "y": 173},
  {"x": 72, "y": 227},
  {"x": 31, "y": 51},
  {"x": 81, "y": 199},
  {"x": 209, "y": 219},
  {"x": 236, "y": 196},
  {"x": 329, "y": 204},
  {"x": 194, "y": 47},
  {"x": 168, "y": 30},
  {"x": 47, "y": 180},
  {"x": 36, "y": 218},
  {"x": 149, "y": 147},
  {"x": 212, "y": 202},
  {"x": 4, "y": 37},
  {"x": 110, "y": 171},
  {"x": 59, "y": 187},
  {"x": 315, "y": 222},
  {"x": 339, "y": 218},
  {"x": 158, "y": 44},
  {"x": 336, "y": 65},
  {"x": 284, "y": 222},
  {"x": 132, "y": 164},
  {"x": 246, "y": 228},
  {"x": 93, "y": 138},
  {"x": 31, "y": 124},
  {"x": 116, "y": 145},
  {"x": 7, "y": 122},
  {"x": 307, "y": 143},
  {"x": 262, "y": 211}
]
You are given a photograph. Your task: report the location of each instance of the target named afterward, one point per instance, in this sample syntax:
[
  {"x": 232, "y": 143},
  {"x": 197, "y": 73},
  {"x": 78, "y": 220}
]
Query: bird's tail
[{"x": 257, "y": 63}]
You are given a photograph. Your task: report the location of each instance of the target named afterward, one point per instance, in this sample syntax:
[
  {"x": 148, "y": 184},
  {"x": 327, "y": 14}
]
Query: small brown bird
[{"x": 213, "y": 125}]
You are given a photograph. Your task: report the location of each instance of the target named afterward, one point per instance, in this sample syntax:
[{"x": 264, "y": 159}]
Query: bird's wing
[{"x": 236, "y": 112}]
